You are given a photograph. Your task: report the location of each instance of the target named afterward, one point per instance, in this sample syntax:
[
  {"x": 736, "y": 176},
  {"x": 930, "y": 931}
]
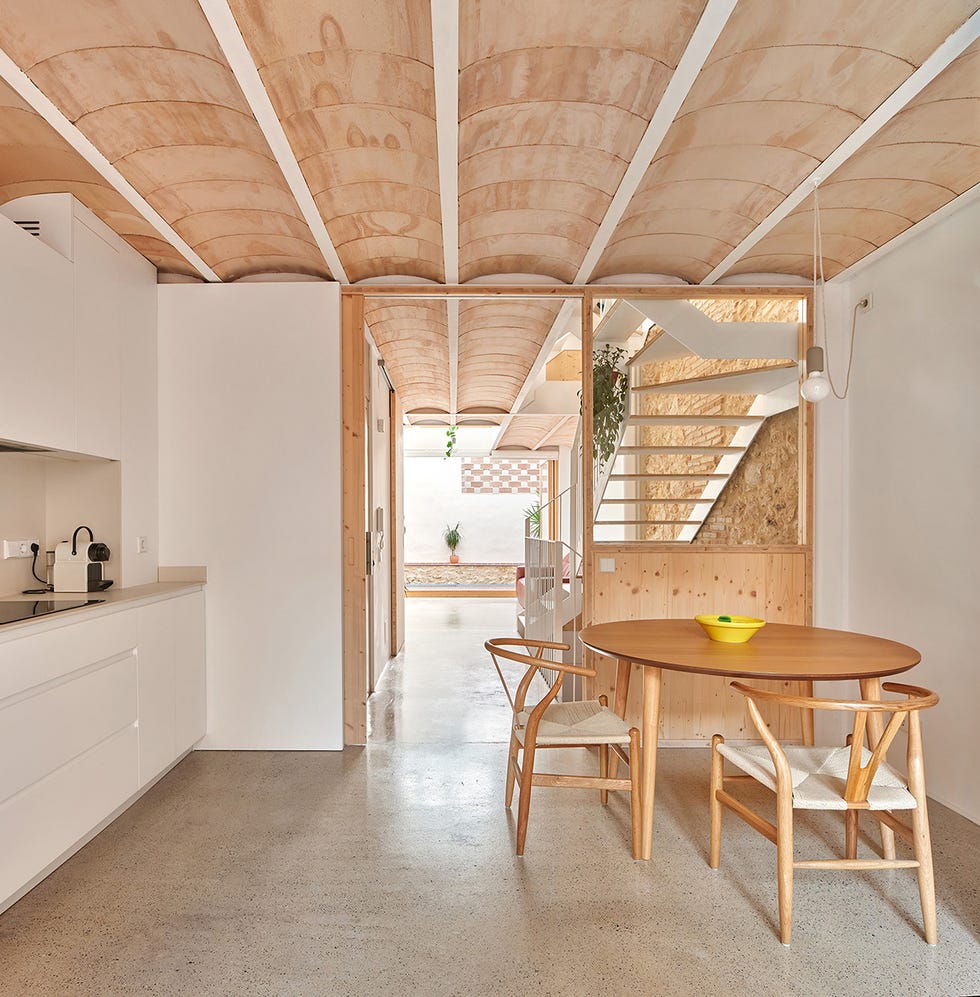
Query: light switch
[
  {"x": 141, "y": 545},
  {"x": 607, "y": 565}
]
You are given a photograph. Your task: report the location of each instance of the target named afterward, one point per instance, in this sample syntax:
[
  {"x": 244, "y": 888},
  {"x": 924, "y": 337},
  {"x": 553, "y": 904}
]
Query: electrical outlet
[
  {"x": 18, "y": 548},
  {"x": 141, "y": 545},
  {"x": 607, "y": 565}
]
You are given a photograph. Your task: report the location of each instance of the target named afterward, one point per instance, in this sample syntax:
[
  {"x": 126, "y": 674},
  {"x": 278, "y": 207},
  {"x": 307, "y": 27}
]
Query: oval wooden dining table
[{"x": 780, "y": 651}]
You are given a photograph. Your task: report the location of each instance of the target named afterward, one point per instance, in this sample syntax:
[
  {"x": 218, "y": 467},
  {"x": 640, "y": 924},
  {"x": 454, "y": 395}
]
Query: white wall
[
  {"x": 250, "y": 485},
  {"x": 492, "y": 526},
  {"x": 139, "y": 467},
  {"x": 908, "y": 543},
  {"x": 21, "y": 516},
  {"x": 78, "y": 324}
]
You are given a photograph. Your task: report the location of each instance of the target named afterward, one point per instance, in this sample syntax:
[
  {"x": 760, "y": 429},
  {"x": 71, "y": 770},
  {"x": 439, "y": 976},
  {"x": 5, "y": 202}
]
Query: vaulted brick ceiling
[{"x": 589, "y": 140}]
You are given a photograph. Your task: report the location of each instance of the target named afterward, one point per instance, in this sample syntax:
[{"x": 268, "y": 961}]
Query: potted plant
[
  {"x": 532, "y": 514},
  {"x": 452, "y": 536}
]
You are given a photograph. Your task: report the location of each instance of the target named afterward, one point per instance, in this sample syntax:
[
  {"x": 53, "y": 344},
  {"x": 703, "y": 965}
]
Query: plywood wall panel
[
  {"x": 677, "y": 584},
  {"x": 353, "y": 86},
  {"x": 34, "y": 159},
  {"x": 783, "y": 86},
  {"x": 923, "y": 158},
  {"x": 552, "y": 94},
  {"x": 413, "y": 340},
  {"x": 499, "y": 340},
  {"x": 148, "y": 85}
]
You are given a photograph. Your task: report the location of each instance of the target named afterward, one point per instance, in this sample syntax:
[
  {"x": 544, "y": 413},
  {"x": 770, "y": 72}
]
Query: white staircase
[{"x": 681, "y": 332}]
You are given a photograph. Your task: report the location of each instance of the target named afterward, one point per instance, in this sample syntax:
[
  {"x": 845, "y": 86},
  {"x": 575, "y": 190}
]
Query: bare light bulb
[{"x": 816, "y": 386}]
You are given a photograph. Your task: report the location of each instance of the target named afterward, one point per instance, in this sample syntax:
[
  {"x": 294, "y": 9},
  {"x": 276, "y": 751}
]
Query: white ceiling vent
[{"x": 34, "y": 228}]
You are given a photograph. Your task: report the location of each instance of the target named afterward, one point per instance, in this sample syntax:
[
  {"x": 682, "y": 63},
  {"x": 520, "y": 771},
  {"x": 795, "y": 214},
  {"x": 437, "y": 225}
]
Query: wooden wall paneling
[
  {"x": 807, "y": 431},
  {"x": 679, "y": 583},
  {"x": 354, "y": 526},
  {"x": 396, "y": 530}
]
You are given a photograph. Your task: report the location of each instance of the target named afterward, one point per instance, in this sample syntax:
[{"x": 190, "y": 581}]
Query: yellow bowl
[{"x": 730, "y": 629}]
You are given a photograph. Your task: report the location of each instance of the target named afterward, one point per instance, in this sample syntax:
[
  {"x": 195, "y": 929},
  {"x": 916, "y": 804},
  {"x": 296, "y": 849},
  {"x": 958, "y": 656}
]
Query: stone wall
[
  {"x": 465, "y": 575},
  {"x": 760, "y": 503},
  {"x": 709, "y": 436}
]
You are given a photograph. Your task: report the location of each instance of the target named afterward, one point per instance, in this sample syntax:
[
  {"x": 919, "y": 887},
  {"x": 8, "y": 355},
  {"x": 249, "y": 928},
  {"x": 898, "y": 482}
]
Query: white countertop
[{"x": 116, "y": 599}]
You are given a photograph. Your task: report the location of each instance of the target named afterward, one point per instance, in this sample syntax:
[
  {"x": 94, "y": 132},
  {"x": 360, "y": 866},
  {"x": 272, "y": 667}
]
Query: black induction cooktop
[{"x": 17, "y": 612}]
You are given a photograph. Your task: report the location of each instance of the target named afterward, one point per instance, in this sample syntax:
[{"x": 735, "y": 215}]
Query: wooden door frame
[{"x": 354, "y": 471}]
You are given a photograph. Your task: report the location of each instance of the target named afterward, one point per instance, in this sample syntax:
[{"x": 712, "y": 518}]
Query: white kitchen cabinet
[
  {"x": 173, "y": 705},
  {"x": 37, "y": 342},
  {"x": 60, "y": 337},
  {"x": 155, "y": 662},
  {"x": 190, "y": 675},
  {"x": 97, "y": 343},
  {"x": 93, "y": 707}
]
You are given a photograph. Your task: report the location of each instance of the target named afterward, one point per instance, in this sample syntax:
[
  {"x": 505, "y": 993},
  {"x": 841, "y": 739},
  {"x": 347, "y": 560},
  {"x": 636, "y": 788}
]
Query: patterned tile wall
[{"x": 491, "y": 476}]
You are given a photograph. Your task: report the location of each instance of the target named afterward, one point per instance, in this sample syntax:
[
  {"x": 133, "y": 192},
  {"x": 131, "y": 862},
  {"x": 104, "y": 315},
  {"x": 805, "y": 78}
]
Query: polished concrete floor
[{"x": 390, "y": 870}]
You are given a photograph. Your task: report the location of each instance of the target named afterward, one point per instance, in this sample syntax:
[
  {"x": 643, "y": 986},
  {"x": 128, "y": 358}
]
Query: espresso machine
[{"x": 80, "y": 567}]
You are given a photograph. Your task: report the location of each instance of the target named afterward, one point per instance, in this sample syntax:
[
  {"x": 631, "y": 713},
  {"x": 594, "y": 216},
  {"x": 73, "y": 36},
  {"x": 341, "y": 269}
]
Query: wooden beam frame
[{"x": 354, "y": 473}]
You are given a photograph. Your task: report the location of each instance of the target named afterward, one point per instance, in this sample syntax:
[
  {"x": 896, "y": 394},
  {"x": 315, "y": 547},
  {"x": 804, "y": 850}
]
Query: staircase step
[
  {"x": 757, "y": 381},
  {"x": 668, "y": 451},
  {"x": 690, "y": 477},
  {"x": 654, "y": 501},
  {"x": 649, "y": 522},
  {"x": 694, "y": 420}
]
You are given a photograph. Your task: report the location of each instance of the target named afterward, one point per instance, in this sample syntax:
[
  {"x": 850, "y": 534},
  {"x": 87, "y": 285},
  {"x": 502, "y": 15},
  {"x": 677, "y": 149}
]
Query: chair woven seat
[
  {"x": 819, "y": 776},
  {"x": 586, "y": 722}
]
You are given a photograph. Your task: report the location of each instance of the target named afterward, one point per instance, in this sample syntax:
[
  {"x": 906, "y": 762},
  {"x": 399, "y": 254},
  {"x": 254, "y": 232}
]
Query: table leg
[
  {"x": 623, "y": 669},
  {"x": 871, "y": 689},
  {"x": 650, "y": 735},
  {"x": 806, "y": 716}
]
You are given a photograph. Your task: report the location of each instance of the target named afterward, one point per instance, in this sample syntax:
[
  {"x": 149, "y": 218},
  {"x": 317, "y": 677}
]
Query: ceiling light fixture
[{"x": 819, "y": 383}]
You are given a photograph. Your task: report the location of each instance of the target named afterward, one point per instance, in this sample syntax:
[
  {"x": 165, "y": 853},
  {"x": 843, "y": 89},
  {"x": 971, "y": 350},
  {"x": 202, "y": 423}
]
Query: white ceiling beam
[
  {"x": 950, "y": 49},
  {"x": 709, "y": 27},
  {"x": 19, "y": 81},
  {"x": 504, "y": 425},
  {"x": 452, "y": 314},
  {"x": 229, "y": 37},
  {"x": 713, "y": 19},
  {"x": 560, "y": 424},
  {"x": 445, "y": 70}
]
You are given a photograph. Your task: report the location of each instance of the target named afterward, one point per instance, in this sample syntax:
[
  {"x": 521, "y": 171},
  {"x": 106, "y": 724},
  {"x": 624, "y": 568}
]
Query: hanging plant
[
  {"x": 450, "y": 441},
  {"x": 609, "y": 388}
]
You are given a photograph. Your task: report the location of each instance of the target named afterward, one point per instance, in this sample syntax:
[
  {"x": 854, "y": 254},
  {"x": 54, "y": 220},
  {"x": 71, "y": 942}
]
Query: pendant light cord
[{"x": 818, "y": 264}]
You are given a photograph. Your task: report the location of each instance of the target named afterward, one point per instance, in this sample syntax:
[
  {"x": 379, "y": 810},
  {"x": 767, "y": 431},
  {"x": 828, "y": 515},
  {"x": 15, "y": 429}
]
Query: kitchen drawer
[
  {"x": 38, "y": 825},
  {"x": 47, "y": 730},
  {"x": 37, "y": 658}
]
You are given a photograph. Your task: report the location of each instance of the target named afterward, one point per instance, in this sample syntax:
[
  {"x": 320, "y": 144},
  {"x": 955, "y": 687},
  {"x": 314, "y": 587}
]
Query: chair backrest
[
  {"x": 501, "y": 647},
  {"x": 859, "y": 776}
]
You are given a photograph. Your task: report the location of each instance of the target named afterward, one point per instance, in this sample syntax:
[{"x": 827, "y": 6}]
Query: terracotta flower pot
[{"x": 454, "y": 558}]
